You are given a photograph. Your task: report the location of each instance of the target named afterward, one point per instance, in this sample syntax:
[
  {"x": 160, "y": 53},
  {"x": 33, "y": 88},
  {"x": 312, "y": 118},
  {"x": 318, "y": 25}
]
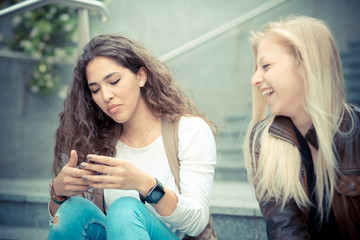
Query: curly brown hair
[{"x": 85, "y": 128}]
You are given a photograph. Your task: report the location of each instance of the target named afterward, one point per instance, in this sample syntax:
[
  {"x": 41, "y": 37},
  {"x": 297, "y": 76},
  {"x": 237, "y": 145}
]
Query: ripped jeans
[{"x": 127, "y": 218}]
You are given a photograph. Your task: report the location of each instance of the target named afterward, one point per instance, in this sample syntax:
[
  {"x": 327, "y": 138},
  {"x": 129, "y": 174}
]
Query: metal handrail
[
  {"x": 29, "y": 5},
  {"x": 83, "y": 6},
  {"x": 220, "y": 30}
]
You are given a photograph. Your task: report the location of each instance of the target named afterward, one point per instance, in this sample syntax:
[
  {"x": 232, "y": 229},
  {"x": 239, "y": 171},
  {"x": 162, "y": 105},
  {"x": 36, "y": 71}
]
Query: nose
[
  {"x": 257, "y": 78},
  {"x": 107, "y": 94}
]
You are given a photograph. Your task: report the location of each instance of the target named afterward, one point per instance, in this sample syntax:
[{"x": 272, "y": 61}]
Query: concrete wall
[
  {"x": 27, "y": 122},
  {"x": 217, "y": 73}
]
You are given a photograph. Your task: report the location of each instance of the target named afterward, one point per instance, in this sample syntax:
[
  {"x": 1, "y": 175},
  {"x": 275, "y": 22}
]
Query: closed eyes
[
  {"x": 94, "y": 91},
  {"x": 97, "y": 90},
  {"x": 115, "y": 82},
  {"x": 265, "y": 66}
]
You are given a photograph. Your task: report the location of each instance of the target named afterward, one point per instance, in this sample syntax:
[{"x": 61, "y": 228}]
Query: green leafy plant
[{"x": 49, "y": 34}]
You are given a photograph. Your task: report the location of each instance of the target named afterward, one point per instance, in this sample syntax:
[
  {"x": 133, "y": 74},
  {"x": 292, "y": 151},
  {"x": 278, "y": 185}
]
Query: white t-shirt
[{"x": 197, "y": 155}]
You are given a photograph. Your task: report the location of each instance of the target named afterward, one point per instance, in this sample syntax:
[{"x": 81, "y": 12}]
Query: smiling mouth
[{"x": 267, "y": 92}]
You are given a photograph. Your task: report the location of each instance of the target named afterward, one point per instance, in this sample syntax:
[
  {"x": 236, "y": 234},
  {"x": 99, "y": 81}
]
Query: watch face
[{"x": 155, "y": 195}]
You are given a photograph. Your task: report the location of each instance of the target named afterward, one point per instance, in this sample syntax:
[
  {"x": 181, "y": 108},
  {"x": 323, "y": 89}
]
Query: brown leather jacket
[{"x": 291, "y": 222}]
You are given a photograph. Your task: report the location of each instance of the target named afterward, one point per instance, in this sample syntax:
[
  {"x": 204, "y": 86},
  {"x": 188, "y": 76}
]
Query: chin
[{"x": 120, "y": 120}]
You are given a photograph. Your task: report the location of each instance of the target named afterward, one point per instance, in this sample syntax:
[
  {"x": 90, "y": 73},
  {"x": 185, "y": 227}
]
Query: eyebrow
[
  {"x": 262, "y": 58},
  {"x": 106, "y": 77}
]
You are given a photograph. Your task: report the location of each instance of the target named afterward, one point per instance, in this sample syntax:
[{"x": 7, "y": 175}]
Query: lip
[{"x": 114, "y": 108}]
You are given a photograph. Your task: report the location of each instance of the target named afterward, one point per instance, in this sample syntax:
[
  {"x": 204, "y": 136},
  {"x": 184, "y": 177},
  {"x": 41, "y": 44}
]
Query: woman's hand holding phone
[{"x": 69, "y": 181}]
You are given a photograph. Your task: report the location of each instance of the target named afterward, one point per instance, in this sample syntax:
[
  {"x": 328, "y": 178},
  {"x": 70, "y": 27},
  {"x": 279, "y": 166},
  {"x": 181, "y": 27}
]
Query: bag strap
[{"x": 169, "y": 131}]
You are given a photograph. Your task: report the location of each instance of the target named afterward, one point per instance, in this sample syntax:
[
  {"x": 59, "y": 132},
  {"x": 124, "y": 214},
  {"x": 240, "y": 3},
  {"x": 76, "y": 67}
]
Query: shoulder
[
  {"x": 279, "y": 127},
  {"x": 192, "y": 122},
  {"x": 194, "y": 127},
  {"x": 255, "y": 135},
  {"x": 258, "y": 129},
  {"x": 196, "y": 141},
  {"x": 350, "y": 122}
]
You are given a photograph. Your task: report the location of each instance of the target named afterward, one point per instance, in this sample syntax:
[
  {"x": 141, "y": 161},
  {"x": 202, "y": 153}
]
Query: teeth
[{"x": 267, "y": 91}]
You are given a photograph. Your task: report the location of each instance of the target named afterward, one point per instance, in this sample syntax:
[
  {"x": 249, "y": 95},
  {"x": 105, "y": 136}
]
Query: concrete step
[
  {"x": 352, "y": 74},
  {"x": 8, "y": 232},
  {"x": 354, "y": 45},
  {"x": 235, "y": 210},
  {"x": 229, "y": 153},
  {"x": 230, "y": 163},
  {"x": 353, "y": 85},
  {"x": 355, "y": 51},
  {"x": 353, "y": 88},
  {"x": 230, "y": 171},
  {"x": 352, "y": 62},
  {"x": 353, "y": 98}
]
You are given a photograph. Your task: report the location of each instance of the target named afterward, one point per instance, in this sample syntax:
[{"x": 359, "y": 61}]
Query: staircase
[
  {"x": 230, "y": 165},
  {"x": 23, "y": 209},
  {"x": 351, "y": 65}
]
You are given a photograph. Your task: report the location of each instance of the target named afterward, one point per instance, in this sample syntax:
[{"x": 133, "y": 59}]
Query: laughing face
[
  {"x": 277, "y": 79},
  {"x": 115, "y": 89}
]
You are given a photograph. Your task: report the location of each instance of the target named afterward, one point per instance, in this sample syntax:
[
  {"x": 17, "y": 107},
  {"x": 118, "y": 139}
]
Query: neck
[
  {"x": 303, "y": 122},
  {"x": 138, "y": 122},
  {"x": 140, "y": 130}
]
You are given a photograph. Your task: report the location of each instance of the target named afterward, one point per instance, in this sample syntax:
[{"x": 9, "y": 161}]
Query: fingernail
[
  {"x": 82, "y": 165},
  {"x": 84, "y": 178},
  {"x": 91, "y": 187},
  {"x": 88, "y": 157}
]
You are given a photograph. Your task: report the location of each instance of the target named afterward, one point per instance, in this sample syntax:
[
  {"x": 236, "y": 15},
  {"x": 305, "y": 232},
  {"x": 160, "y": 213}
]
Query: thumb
[{"x": 73, "y": 159}]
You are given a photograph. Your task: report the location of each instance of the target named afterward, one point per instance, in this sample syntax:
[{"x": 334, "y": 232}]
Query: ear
[{"x": 142, "y": 76}]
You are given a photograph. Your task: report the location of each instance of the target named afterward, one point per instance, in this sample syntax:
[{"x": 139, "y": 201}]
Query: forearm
[{"x": 167, "y": 204}]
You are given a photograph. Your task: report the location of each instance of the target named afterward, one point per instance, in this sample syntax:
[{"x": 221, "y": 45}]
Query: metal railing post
[{"x": 83, "y": 28}]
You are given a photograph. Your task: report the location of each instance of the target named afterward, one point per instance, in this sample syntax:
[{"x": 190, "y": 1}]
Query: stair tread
[
  {"x": 29, "y": 190},
  {"x": 234, "y": 198},
  {"x": 8, "y": 232}
]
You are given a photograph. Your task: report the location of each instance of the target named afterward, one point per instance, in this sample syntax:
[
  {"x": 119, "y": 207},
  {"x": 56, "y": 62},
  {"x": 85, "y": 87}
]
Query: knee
[
  {"x": 75, "y": 217},
  {"x": 126, "y": 207},
  {"x": 75, "y": 208},
  {"x": 75, "y": 205}
]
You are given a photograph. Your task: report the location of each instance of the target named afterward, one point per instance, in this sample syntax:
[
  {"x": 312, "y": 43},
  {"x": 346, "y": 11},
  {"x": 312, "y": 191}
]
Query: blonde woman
[{"x": 303, "y": 155}]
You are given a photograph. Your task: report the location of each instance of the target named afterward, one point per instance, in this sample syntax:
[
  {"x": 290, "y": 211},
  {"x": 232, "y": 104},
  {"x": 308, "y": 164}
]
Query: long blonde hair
[{"x": 275, "y": 167}]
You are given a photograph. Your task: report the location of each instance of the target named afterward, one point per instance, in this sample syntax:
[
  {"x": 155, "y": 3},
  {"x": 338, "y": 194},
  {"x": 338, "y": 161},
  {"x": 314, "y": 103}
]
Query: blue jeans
[{"x": 127, "y": 218}]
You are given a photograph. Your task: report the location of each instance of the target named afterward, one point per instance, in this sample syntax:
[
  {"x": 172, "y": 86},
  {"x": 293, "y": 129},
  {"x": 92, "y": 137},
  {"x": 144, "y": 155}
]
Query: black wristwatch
[{"x": 155, "y": 193}]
